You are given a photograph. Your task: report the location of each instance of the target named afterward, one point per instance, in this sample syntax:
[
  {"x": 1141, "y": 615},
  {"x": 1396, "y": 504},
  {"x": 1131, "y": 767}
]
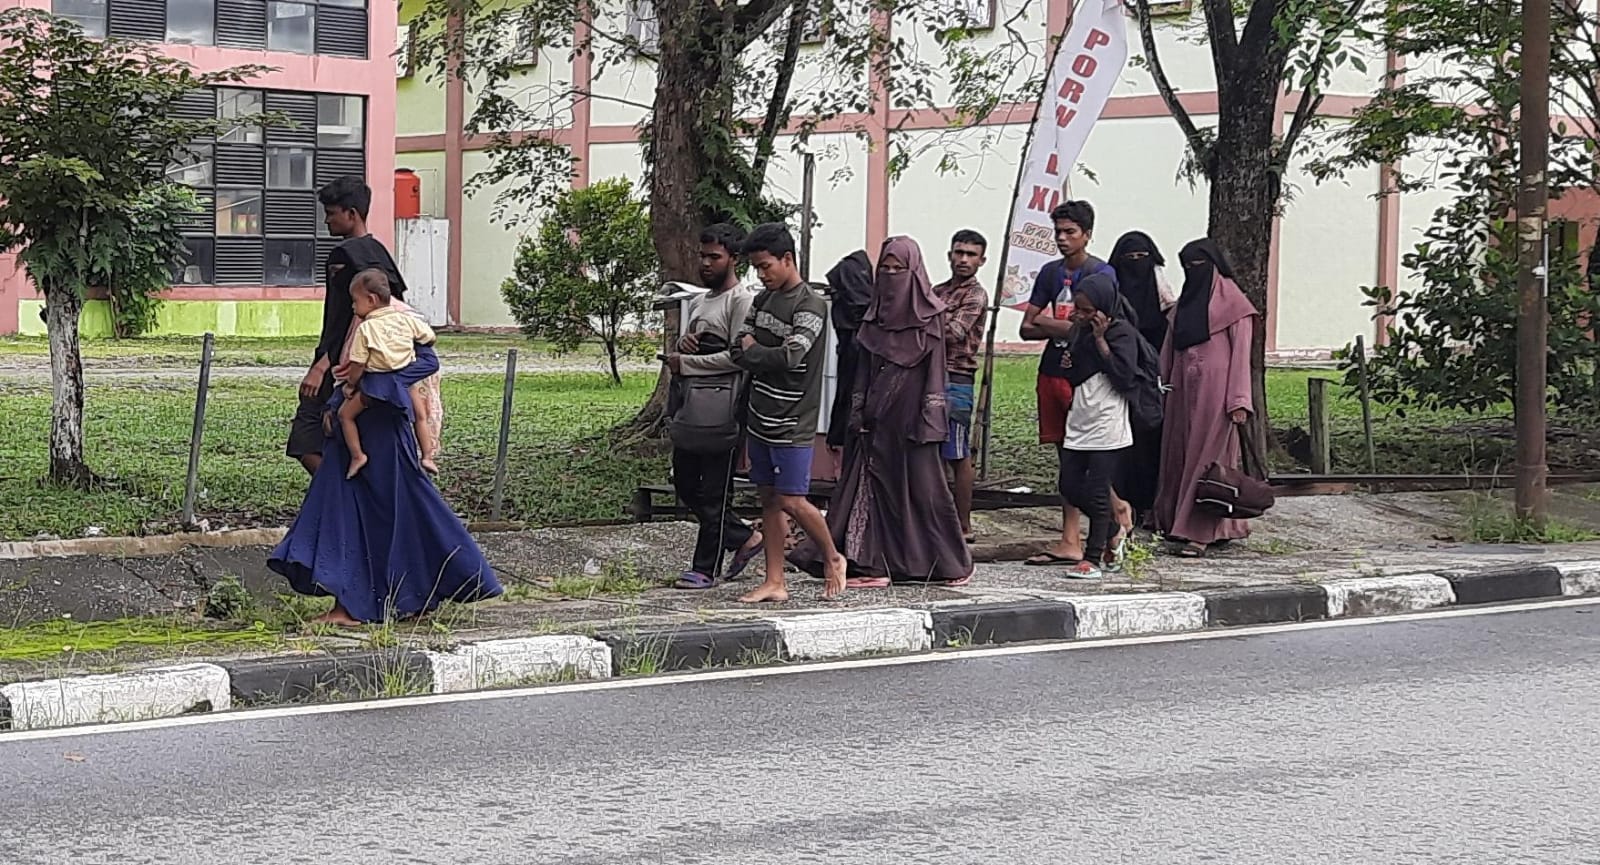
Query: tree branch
[
  {"x": 1223, "y": 36},
  {"x": 755, "y": 17},
  {"x": 1311, "y": 94},
  {"x": 1303, "y": 112},
  {"x": 1147, "y": 36},
  {"x": 776, "y": 115}
]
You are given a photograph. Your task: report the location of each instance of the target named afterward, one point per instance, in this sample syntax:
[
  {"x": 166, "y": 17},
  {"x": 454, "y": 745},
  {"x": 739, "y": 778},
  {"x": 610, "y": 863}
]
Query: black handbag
[{"x": 1241, "y": 493}]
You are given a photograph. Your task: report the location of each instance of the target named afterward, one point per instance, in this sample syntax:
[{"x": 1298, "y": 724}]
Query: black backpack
[{"x": 1145, "y": 400}]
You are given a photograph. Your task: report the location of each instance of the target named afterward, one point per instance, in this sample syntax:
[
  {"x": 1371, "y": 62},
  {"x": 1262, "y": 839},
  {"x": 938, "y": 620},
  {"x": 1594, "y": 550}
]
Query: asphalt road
[{"x": 1461, "y": 740}]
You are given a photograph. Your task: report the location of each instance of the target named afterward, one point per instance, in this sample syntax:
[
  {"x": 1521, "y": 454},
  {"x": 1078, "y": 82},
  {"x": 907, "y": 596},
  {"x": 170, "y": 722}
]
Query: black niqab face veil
[
  {"x": 1203, "y": 261},
  {"x": 1136, "y": 259}
]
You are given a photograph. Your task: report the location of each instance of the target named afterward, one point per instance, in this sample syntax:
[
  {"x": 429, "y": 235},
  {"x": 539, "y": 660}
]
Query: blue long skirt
[{"x": 384, "y": 544}]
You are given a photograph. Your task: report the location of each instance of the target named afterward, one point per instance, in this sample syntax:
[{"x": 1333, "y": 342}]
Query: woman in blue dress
[{"x": 383, "y": 544}]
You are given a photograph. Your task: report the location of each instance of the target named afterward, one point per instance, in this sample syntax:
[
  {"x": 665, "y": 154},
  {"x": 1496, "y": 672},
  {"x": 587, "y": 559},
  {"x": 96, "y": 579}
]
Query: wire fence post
[
  {"x": 505, "y": 436},
  {"x": 191, "y": 486},
  {"x": 1366, "y": 404}
]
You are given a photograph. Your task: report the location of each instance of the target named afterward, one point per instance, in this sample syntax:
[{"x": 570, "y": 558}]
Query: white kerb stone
[
  {"x": 1374, "y": 596},
  {"x": 140, "y": 695},
  {"x": 1101, "y": 616},
  {"x": 1580, "y": 578},
  {"x": 844, "y": 635},
  {"x": 523, "y": 661}
]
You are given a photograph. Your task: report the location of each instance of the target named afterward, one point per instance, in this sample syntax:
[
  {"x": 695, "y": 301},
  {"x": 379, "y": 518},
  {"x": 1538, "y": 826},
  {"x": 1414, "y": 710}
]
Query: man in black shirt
[{"x": 345, "y": 204}]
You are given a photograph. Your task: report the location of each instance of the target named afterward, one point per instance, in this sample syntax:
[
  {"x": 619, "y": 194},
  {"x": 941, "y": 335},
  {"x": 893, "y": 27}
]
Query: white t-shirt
[{"x": 1098, "y": 419}]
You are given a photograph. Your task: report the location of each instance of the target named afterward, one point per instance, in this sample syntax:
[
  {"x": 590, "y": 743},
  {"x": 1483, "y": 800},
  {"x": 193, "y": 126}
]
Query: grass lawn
[{"x": 561, "y": 466}]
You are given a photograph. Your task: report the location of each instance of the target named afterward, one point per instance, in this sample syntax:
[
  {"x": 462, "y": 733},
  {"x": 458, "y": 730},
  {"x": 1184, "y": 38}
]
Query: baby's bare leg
[
  {"x": 352, "y": 409},
  {"x": 427, "y": 442}
]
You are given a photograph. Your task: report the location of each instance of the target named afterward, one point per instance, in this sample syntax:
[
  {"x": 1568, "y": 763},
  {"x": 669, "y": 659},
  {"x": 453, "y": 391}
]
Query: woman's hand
[
  {"x": 1101, "y": 323},
  {"x": 1239, "y": 416}
]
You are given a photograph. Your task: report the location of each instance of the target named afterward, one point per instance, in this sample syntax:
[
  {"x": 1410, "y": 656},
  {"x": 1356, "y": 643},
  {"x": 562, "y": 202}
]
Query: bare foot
[
  {"x": 429, "y": 466},
  {"x": 357, "y": 463},
  {"x": 766, "y": 593},
  {"x": 834, "y": 577},
  {"x": 337, "y": 616}
]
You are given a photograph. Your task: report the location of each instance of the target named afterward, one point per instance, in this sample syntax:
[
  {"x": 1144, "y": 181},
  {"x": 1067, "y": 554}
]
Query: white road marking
[{"x": 790, "y": 670}]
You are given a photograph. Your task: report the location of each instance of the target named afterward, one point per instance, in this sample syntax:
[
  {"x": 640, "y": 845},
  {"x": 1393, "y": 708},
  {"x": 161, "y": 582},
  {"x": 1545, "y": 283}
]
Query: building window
[
  {"x": 88, "y": 14},
  {"x": 291, "y": 262},
  {"x": 341, "y": 121},
  {"x": 819, "y": 21},
  {"x": 240, "y": 103},
  {"x": 643, "y": 24},
  {"x": 292, "y": 27},
  {"x": 261, "y": 224},
  {"x": 197, "y": 265},
  {"x": 334, "y": 27},
  {"x": 521, "y": 38},
  {"x": 238, "y": 212},
  {"x": 1170, "y": 8},
  {"x": 973, "y": 14},
  {"x": 192, "y": 22},
  {"x": 405, "y": 54}
]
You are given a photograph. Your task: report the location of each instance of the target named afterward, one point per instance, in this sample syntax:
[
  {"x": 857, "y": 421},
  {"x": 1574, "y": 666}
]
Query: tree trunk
[
  {"x": 1244, "y": 197},
  {"x": 611, "y": 355},
  {"x": 67, "y": 466},
  {"x": 688, "y": 70}
]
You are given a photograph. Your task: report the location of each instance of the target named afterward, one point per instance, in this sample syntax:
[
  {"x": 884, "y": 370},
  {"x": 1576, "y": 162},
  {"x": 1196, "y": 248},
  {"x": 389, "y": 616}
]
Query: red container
[{"x": 407, "y": 194}]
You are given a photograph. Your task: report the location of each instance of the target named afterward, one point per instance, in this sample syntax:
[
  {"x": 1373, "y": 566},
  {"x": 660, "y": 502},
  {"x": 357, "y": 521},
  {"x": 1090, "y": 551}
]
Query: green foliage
[
  {"x": 752, "y": 50},
  {"x": 153, "y": 240},
  {"x": 1453, "y": 344},
  {"x": 587, "y": 271},
  {"x": 1454, "y": 341}
]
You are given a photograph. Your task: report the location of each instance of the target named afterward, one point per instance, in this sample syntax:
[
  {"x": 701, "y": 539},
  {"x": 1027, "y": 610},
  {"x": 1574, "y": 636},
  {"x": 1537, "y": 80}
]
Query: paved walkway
[{"x": 580, "y": 580}]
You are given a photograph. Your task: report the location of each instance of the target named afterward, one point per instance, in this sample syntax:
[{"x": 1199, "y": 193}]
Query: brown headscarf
[{"x": 906, "y": 319}]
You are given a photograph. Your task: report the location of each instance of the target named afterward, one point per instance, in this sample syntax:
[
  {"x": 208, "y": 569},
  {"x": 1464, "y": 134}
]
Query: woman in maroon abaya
[
  {"x": 892, "y": 514},
  {"x": 1206, "y": 361}
]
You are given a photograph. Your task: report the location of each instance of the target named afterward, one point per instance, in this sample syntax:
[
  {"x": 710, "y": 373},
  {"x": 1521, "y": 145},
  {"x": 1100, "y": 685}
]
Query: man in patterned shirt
[
  {"x": 783, "y": 345},
  {"x": 966, "y": 307}
]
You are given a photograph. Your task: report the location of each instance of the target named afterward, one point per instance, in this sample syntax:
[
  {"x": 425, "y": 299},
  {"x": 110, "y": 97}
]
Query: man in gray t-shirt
[{"x": 704, "y": 481}]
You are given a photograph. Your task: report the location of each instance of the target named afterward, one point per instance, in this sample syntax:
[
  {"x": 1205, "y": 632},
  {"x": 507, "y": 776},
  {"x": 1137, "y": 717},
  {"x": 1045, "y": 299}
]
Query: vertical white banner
[{"x": 1082, "y": 76}]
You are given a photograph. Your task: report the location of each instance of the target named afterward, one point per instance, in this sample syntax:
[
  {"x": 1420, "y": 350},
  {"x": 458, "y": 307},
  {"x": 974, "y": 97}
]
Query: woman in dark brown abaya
[{"x": 892, "y": 514}]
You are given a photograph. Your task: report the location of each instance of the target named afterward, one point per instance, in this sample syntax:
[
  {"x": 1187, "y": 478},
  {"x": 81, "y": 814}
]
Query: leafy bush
[{"x": 590, "y": 271}]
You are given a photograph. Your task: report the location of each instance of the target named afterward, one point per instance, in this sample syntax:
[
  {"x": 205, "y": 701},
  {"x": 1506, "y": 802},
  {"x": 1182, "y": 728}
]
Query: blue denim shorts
[
  {"x": 785, "y": 468},
  {"x": 958, "y": 443}
]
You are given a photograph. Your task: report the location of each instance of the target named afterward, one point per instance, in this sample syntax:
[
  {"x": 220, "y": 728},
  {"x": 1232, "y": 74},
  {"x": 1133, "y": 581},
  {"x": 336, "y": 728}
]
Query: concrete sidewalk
[{"x": 589, "y": 602}]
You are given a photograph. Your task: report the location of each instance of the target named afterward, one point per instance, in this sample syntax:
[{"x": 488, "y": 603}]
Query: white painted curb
[
  {"x": 1580, "y": 578},
  {"x": 1102, "y": 616},
  {"x": 1375, "y": 596},
  {"x": 162, "y": 692},
  {"x": 842, "y": 635},
  {"x": 502, "y": 663}
]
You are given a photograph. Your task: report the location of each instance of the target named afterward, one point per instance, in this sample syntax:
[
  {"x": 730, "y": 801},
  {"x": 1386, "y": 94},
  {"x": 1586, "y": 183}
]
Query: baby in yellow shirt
[{"x": 385, "y": 341}]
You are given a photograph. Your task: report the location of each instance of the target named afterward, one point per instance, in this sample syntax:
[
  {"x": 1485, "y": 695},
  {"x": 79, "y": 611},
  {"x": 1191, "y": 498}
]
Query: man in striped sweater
[{"x": 783, "y": 344}]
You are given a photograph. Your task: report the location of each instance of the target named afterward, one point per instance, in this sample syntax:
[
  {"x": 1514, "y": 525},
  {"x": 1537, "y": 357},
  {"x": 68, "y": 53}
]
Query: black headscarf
[
  {"x": 850, "y": 284},
  {"x": 1086, "y": 359},
  {"x": 1203, "y": 261},
  {"x": 1136, "y": 279}
]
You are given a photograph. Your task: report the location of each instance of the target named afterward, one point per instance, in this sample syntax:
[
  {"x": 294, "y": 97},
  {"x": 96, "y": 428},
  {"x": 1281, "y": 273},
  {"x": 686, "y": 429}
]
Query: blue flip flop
[
  {"x": 742, "y": 560},
  {"x": 694, "y": 581}
]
